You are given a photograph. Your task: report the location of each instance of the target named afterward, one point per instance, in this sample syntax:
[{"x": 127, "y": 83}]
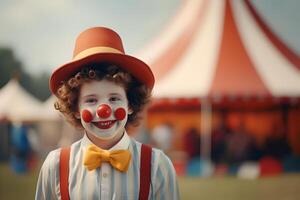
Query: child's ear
[
  {"x": 130, "y": 111},
  {"x": 77, "y": 115}
]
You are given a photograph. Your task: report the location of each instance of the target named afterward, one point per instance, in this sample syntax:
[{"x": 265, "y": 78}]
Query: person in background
[
  {"x": 192, "y": 142},
  {"x": 21, "y": 149},
  {"x": 162, "y": 136},
  {"x": 239, "y": 145},
  {"x": 218, "y": 142},
  {"x": 276, "y": 144}
]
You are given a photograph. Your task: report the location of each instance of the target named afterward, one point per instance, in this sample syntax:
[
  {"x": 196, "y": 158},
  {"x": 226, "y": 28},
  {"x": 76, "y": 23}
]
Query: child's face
[{"x": 103, "y": 108}]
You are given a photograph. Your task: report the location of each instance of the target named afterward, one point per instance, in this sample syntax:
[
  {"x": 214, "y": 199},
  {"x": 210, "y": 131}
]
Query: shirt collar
[{"x": 122, "y": 144}]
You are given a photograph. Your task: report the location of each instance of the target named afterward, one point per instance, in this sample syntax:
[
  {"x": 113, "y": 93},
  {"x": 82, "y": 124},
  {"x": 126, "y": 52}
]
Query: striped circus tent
[
  {"x": 219, "y": 55},
  {"x": 221, "y": 49}
]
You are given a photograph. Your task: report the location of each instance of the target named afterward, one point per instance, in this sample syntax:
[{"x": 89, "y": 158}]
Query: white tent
[
  {"x": 48, "y": 110},
  {"x": 17, "y": 105}
]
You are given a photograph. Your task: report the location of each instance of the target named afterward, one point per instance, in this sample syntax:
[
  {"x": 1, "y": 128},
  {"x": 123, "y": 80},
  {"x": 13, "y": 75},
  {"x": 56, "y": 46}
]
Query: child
[{"x": 103, "y": 91}]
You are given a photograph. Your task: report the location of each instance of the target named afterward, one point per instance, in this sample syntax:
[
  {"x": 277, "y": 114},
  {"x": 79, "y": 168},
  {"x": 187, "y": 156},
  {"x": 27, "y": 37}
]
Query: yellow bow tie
[{"x": 94, "y": 156}]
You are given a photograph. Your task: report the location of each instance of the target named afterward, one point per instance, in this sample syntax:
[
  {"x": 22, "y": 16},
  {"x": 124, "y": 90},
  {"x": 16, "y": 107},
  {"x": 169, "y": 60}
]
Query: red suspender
[
  {"x": 145, "y": 172},
  {"x": 64, "y": 173}
]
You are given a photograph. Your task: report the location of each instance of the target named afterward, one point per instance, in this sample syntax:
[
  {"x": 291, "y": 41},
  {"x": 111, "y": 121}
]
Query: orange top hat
[{"x": 100, "y": 44}]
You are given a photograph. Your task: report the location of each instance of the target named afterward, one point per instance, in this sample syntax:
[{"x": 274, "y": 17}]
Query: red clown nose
[
  {"x": 104, "y": 111},
  {"x": 120, "y": 113},
  {"x": 87, "y": 116}
]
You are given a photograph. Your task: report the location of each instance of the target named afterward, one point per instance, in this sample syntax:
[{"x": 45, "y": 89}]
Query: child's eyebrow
[
  {"x": 89, "y": 95},
  {"x": 115, "y": 93}
]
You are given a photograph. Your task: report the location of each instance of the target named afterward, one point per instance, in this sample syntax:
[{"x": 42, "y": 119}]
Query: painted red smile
[{"x": 105, "y": 124}]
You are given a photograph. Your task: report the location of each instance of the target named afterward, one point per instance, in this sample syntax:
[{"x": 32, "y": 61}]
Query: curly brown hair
[{"x": 138, "y": 94}]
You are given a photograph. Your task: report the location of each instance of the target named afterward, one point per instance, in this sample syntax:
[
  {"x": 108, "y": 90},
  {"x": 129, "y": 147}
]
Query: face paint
[
  {"x": 120, "y": 113},
  {"x": 104, "y": 111},
  {"x": 107, "y": 105},
  {"x": 87, "y": 116}
]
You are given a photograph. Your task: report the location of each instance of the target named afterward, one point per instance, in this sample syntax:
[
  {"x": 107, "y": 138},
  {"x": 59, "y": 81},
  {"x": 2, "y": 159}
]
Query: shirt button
[{"x": 104, "y": 175}]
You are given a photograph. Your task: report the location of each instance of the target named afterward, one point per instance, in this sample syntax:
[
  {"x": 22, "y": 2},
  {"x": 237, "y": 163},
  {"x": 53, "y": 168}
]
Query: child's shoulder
[
  {"x": 160, "y": 162},
  {"x": 50, "y": 168},
  {"x": 156, "y": 153},
  {"x": 52, "y": 159},
  {"x": 53, "y": 156}
]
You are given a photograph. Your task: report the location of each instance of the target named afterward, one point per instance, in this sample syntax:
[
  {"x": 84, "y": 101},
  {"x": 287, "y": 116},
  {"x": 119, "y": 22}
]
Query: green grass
[
  {"x": 15, "y": 186},
  {"x": 285, "y": 187}
]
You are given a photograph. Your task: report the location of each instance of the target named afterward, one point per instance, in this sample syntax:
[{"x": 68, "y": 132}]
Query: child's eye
[
  {"x": 114, "y": 99},
  {"x": 91, "y": 100}
]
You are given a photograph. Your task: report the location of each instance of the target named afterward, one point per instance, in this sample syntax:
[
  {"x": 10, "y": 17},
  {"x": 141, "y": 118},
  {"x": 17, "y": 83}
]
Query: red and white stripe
[{"x": 220, "y": 49}]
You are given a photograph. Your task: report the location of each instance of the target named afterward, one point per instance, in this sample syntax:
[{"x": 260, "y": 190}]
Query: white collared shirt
[{"x": 106, "y": 182}]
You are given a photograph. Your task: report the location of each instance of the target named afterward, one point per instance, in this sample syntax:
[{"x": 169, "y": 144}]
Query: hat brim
[{"x": 140, "y": 70}]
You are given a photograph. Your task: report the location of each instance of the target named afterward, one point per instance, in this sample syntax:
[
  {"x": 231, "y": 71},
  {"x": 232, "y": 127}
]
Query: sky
[{"x": 42, "y": 32}]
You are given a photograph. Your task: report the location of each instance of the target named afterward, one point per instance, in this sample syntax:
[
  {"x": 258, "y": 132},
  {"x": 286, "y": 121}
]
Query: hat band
[{"x": 95, "y": 50}]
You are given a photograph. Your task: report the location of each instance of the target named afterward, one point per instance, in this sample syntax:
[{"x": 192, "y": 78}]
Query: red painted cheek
[
  {"x": 120, "y": 113},
  {"x": 87, "y": 116},
  {"x": 104, "y": 111}
]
